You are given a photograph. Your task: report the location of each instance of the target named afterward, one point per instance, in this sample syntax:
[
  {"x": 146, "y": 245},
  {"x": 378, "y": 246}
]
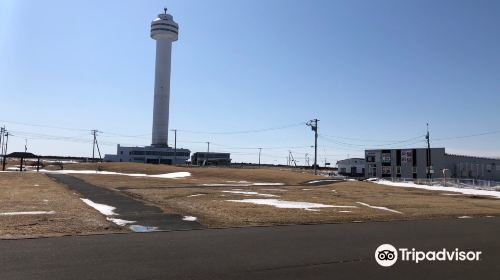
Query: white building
[
  {"x": 353, "y": 167},
  {"x": 149, "y": 155}
]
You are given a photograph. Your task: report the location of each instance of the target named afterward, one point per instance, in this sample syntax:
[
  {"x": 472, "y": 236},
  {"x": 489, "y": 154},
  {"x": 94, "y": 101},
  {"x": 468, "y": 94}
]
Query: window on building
[
  {"x": 386, "y": 170},
  {"x": 398, "y": 170}
]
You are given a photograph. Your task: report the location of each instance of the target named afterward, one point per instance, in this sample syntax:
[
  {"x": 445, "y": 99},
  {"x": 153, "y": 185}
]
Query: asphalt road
[
  {"x": 336, "y": 251},
  {"x": 144, "y": 217}
]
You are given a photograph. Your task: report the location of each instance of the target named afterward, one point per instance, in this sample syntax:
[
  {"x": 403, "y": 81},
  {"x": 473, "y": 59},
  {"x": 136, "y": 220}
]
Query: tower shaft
[{"x": 161, "y": 92}]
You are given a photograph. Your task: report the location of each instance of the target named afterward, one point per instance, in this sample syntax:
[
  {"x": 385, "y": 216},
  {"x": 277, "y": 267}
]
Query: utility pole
[
  {"x": 25, "y": 145},
  {"x": 175, "y": 145},
  {"x": 429, "y": 161},
  {"x": 292, "y": 159},
  {"x": 2, "y": 129},
  {"x": 95, "y": 144},
  {"x": 5, "y": 136},
  {"x": 314, "y": 126},
  {"x": 260, "y": 151},
  {"x": 6, "y": 142}
]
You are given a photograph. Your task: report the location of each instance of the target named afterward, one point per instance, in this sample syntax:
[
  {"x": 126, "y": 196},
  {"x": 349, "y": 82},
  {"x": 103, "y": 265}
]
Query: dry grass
[
  {"x": 23, "y": 192},
  {"x": 213, "y": 209},
  {"x": 199, "y": 176}
]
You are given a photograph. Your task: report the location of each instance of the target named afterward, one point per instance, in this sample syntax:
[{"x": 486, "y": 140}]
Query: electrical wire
[{"x": 244, "y": 131}]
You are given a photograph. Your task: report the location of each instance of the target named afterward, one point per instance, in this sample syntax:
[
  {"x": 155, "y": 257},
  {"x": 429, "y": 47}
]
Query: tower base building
[{"x": 149, "y": 154}]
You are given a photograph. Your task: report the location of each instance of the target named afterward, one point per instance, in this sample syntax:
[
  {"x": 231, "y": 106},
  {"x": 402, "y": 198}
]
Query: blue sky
[{"x": 373, "y": 72}]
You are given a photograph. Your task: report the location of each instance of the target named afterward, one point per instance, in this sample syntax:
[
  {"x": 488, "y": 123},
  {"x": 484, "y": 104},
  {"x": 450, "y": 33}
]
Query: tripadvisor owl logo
[{"x": 387, "y": 255}]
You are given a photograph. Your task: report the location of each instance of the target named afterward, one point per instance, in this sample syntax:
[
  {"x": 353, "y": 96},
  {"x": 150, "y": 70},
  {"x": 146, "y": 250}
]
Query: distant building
[
  {"x": 204, "y": 158},
  {"x": 413, "y": 164},
  {"x": 353, "y": 167},
  {"x": 155, "y": 155}
]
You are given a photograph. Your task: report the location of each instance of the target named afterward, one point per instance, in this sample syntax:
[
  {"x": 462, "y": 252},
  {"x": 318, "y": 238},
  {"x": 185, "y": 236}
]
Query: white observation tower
[{"x": 165, "y": 31}]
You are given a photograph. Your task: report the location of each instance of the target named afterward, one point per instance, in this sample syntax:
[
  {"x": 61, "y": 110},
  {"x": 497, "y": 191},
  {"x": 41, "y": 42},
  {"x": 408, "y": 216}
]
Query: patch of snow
[
  {"x": 14, "y": 168},
  {"x": 345, "y": 211},
  {"x": 451, "y": 194},
  {"x": 351, "y": 180},
  {"x": 313, "y": 210},
  {"x": 439, "y": 188},
  {"x": 225, "y": 185},
  {"x": 251, "y": 193},
  {"x": 189, "y": 218},
  {"x": 490, "y": 216},
  {"x": 307, "y": 189},
  {"x": 173, "y": 175},
  {"x": 464, "y": 217},
  {"x": 288, "y": 204},
  {"x": 59, "y": 161},
  {"x": 242, "y": 184},
  {"x": 103, "y": 208},
  {"x": 139, "y": 228},
  {"x": 37, "y": 185},
  {"x": 318, "y": 181},
  {"x": 196, "y": 194},
  {"x": 120, "y": 222},
  {"x": 379, "y": 207},
  {"x": 334, "y": 191},
  {"x": 28, "y": 213},
  {"x": 274, "y": 190}
]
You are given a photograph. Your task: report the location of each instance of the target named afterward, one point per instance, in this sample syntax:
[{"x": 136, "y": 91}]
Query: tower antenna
[{"x": 165, "y": 10}]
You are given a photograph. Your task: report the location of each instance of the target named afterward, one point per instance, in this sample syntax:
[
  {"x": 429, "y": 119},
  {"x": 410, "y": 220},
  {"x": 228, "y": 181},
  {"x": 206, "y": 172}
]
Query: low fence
[{"x": 455, "y": 182}]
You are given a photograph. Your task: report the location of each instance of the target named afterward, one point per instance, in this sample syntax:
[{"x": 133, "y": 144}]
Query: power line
[
  {"x": 45, "y": 126},
  {"x": 244, "y": 131},
  {"x": 467, "y": 136},
  {"x": 372, "y": 145},
  {"x": 266, "y": 148}
]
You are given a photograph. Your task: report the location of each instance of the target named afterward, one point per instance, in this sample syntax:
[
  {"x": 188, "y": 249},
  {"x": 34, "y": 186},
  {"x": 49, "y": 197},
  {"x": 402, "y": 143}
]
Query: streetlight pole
[{"x": 260, "y": 151}]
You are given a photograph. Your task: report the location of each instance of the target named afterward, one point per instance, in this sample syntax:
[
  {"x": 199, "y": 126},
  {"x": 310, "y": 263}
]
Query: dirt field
[
  {"x": 36, "y": 193},
  {"x": 188, "y": 196}
]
